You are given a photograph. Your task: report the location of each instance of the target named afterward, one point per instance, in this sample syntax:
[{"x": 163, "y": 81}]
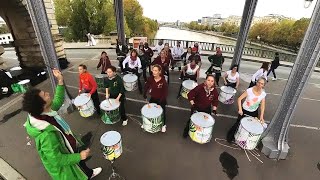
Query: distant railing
[{"x": 207, "y": 46}]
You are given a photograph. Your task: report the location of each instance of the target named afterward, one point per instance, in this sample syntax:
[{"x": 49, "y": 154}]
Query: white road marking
[
  {"x": 8, "y": 172},
  {"x": 187, "y": 109}
]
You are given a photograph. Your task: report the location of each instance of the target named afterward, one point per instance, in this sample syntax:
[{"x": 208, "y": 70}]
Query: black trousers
[
  {"x": 233, "y": 85},
  {"x": 252, "y": 84},
  {"x": 135, "y": 71},
  {"x": 193, "y": 110},
  {"x": 272, "y": 70},
  {"x": 163, "y": 105},
  {"x": 85, "y": 169},
  {"x": 234, "y": 128},
  {"x": 121, "y": 108},
  {"x": 96, "y": 101}
]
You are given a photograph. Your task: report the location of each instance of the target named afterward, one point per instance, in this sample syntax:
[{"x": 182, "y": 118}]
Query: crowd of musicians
[{"x": 43, "y": 119}]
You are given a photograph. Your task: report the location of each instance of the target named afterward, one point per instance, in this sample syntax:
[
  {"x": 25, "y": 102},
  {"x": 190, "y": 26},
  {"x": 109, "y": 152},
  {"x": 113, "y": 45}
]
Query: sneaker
[
  {"x": 124, "y": 123},
  {"x": 274, "y": 79},
  {"x": 96, "y": 172},
  {"x": 164, "y": 128},
  {"x": 141, "y": 126}
]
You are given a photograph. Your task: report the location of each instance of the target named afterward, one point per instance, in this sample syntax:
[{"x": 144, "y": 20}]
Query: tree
[
  {"x": 133, "y": 14},
  {"x": 299, "y": 29},
  {"x": 282, "y": 32},
  {"x": 79, "y": 22},
  {"x": 96, "y": 15},
  {"x": 62, "y": 12},
  {"x": 4, "y": 29}
]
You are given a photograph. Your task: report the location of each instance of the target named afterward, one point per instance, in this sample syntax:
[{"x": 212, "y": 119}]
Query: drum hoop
[
  {"x": 202, "y": 126},
  {"x": 132, "y": 76},
  {"x": 150, "y": 117},
  {"x": 113, "y": 144},
  {"x": 84, "y": 103},
  {"x": 249, "y": 131}
]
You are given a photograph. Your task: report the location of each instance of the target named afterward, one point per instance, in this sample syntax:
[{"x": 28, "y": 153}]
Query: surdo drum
[
  {"x": 130, "y": 82},
  {"x": 152, "y": 117},
  {"x": 187, "y": 86},
  {"x": 112, "y": 147},
  {"x": 226, "y": 95},
  {"x": 100, "y": 80},
  {"x": 111, "y": 113},
  {"x": 84, "y": 105},
  {"x": 201, "y": 126}
]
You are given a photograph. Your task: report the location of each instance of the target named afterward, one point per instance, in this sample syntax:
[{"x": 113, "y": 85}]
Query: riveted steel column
[
  {"x": 40, "y": 22},
  {"x": 118, "y": 9},
  {"x": 248, "y": 12},
  {"x": 275, "y": 142}
]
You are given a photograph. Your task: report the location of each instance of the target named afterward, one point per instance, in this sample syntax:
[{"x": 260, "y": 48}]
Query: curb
[{"x": 7, "y": 172}]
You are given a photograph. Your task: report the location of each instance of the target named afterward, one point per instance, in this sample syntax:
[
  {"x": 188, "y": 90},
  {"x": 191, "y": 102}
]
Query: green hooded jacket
[{"x": 60, "y": 163}]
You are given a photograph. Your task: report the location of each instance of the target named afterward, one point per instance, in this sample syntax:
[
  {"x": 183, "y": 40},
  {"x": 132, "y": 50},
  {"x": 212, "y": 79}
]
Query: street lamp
[{"x": 307, "y": 3}]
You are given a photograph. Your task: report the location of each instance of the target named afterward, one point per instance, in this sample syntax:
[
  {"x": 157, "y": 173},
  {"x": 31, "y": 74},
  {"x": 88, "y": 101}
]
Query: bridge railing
[{"x": 227, "y": 48}]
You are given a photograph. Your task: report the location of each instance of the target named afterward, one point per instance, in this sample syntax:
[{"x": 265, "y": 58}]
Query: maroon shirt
[
  {"x": 105, "y": 62},
  {"x": 159, "y": 90},
  {"x": 200, "y": 98},
  {"x": 164, "y": 65}
]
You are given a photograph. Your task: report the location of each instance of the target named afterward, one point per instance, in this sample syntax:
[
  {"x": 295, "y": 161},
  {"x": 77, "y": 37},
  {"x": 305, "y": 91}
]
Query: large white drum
[
  {"x": 226, "y": 95},
  {"x": 152, "y": 117},
  {"x": 130, "y": 82},
  {"x": 187, "y": 86},
  {"x": 112, "y": 147},
  {"x": 249, "y": 132},
  {"x": 84, "y": 105},
  {"x": 111, "y": 113},
  {"x": 201, "y": 126}
]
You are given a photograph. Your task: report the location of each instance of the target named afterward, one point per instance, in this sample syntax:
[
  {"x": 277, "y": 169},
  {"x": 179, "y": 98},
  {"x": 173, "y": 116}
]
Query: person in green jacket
[
  {"x": 115, "y": 89},
  {"x": 56, "y": 144}
]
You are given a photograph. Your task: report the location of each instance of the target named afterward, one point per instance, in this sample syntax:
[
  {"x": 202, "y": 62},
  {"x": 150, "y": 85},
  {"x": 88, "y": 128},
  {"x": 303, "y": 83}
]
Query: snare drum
[
  {"x": 111, "y": 113},
  {"x": 112, "y": 147},
  {"x": 226, "y": 95},
  {"x": 85, "y": 105},
  {"x": 187, "y": 86},
  {"x": 249, "y": 132},
  {"x": 152, "y": 117},
  {"x": 130, "y": 82},
  {"x": 100, "y": 80},
  {"x": 23, "y": 86},
  {"x": 201, "y": 126}
]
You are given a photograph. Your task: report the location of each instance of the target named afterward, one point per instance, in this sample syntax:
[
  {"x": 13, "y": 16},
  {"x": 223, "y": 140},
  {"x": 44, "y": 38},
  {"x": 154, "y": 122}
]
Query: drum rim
[
  {"x": 104, "y": 136},
  {"x": 112, "y": 99},
  {"x": 223, "y": 87},
  {"x": 185, "y": 82},
  {"x": 132, "y": 75},
  {"x": 81, "y": 95},
  {"x": 206, "y": 114},
  {"x": 25, "y": 80},
  {"x": 247, "y": 129},
  {"x": 151, "y": 104}
]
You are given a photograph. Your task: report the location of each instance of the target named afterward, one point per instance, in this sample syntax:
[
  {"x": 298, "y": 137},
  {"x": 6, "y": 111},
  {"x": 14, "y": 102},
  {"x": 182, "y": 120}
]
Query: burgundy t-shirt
[{"x": 200, "y": 98}]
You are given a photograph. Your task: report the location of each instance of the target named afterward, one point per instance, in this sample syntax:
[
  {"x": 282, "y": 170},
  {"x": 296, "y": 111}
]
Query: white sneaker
[
  {"x": 96, "y": 172},
  {"x": 274, "y": 79},
  {"x": 141, "y": 126},
  {"x": 124, "y": 123},
  {"x": 164, "y": 128}
]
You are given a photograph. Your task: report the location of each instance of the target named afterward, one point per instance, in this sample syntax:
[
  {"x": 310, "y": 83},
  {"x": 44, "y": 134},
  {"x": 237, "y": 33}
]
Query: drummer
[
  {"x": 164, "y": 62},
  {"x": 158, "y": 89},
  {"x": 202, "y": 98},
  {"x": 115, "y": 89},
  {"x": 254, "y": 97},
  {"x": 190, "y": 71},
  {"x": 87, "y": 84},
  {"x": 232, "y": 78},
  {"x": 132, "y": 64}
]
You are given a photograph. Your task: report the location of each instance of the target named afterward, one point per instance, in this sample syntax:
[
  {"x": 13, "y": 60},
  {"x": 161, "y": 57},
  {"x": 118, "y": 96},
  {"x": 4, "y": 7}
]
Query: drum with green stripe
[
  {"x": 152, "y": 117},
  {"x": 111, "y": 113},
  {"x": 100, "y": 80},
  {"x": 112, "y": 145},
  {"x": 201, "y": 126}
]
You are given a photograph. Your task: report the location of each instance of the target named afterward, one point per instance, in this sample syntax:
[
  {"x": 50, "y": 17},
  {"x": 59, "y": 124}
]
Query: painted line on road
[
  {"x": 219, "y": 115},
  {"x": 8, "y": 172},
  {"x": 310, "y": 99}
]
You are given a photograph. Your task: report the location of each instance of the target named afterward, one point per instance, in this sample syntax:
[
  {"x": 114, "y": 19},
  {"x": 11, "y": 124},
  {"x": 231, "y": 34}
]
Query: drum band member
[
  {"x": 232, "y": 77},
  {"x": 87, "y": 84},
  {"x": 190, "y": 71},
  {"x": 262, "y": 72},
  {"x": 104, "y": 62},
  {"x": 157, "y": 87},
  {"x": 122, "y": 51},
  {"x": 148, "y": 53},
  {"x": 132, "y": 64},
  {"x": 202, "y": 98},
  {"x": 115, "y": 89},
  {"x": 185, "y": 55},
  {"x": 196, "y": 56},
  {"x": 216, "y": 61},
  {"x": 57, "y": 146},
  {"x": 164, "y": 62},
  {"x": 254, "y": 97}
]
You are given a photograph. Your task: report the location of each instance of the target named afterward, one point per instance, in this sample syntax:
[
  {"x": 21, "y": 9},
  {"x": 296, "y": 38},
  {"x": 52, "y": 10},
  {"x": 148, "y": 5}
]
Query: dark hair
[
  {"x": 32, "y": 102},
  {"x": 103, "y": 52},
  {"x": 83, "y": 66},
  {"x": 210, "y": 75},
  {"x": 277, "y": 54},
  {"x": 134, "y": 50},
  {"x": 265, "y": 66},
  {"x": 113, "y": 69},
  {"x": 158, "y": 66},
  {"x": 235, "y": 65}
]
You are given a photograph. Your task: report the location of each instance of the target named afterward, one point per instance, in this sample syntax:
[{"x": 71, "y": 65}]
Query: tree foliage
[
  {"x": 194, "y": 25},
  {"x": 62, "y": 11},
  {"x": 4, "y": 29}
]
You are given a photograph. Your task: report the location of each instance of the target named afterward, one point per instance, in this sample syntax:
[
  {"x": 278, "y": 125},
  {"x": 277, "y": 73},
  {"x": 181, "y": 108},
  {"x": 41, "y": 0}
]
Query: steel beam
[
  {"x": 275, "y": 141},
  {"x": 118, "y": 9}
]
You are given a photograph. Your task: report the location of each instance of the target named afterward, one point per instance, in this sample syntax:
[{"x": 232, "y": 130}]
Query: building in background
[
  {"x": 214, "y": 20},
  {"x": 6, "y": 38}
]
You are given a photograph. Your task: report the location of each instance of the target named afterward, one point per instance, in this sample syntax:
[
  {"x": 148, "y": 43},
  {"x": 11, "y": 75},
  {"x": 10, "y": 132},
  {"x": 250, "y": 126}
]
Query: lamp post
[{"x": 40, "y": 22}]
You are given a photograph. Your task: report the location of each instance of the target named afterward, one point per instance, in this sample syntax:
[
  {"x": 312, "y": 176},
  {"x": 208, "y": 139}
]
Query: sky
[{"x": 191, "y": 10}]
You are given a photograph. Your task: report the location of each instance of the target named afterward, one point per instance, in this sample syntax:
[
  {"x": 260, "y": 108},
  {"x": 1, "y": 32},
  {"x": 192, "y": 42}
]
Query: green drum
[
  {"x": 100, "y": 80},
  {"x": 111, "y": 113},
  {"x": 22, "y": 86},
  {"x": 152, "y": 117}
]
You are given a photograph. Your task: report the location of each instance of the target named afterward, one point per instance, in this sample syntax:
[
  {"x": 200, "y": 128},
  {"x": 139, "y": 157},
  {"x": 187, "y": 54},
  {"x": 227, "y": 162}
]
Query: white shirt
[
  {"x": 259, "y": 74},
  {"x": 232, "y": 79},
  {"x": 131, "y": 64},
  {"x": 158, "y": 48},
  {"x": 190, "y": 71},
  {"x": 252, "y": 101},
  {"x": 177, "y": 51}
]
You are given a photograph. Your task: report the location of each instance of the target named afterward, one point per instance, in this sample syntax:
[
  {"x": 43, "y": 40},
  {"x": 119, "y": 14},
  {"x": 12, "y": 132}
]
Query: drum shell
[
  {"x": 112, "y": 152},
  {"x": 100, "y": 81},
  {"x": 200, "y": 134},
  {"x": 185, "y": 90},
  {"x": 110, "y": 116},
  {"x": 226, "y": 97},
  {"x": 152, "y": 125},
  {"x": 130, "y": 86},
  {"x": 87, "y": 109}
]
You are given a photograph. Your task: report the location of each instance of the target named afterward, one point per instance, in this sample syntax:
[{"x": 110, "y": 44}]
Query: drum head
[
  {"x": 105, "y": 105},
  {"x": 151, "y": 110},
  {"x": 99, "y": 76},
  {"x": 129, "y": 78},
  {"x": 18, "y": 68},
  {"x": 189, "y": 84},
  {"x": 252, "y": 125},
  {"x": 228, "y": 90},
  {"x": 24, "y": 81},
  {"x": 82, "y": 99},
  {"x": 202, "y": 119},
  {"x": 110, "y": 138}
]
